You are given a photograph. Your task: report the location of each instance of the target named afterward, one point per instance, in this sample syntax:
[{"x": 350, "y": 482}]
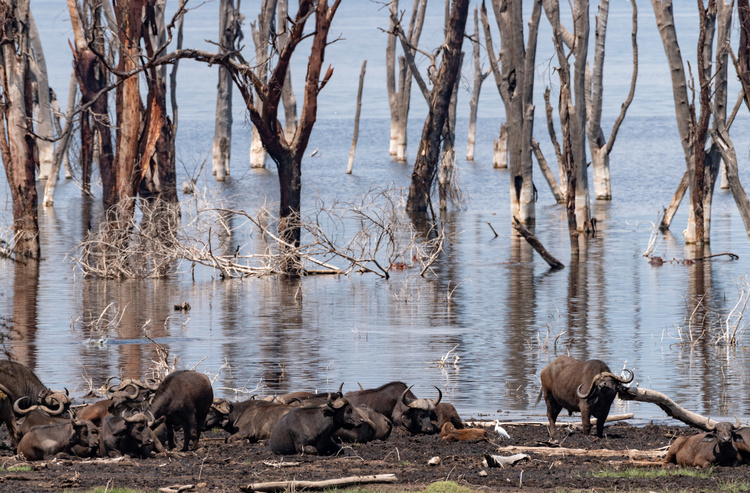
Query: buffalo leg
[
  {"x": 553, "y": 409},
  {"x": 586, "y": 420},
  {"x": 187, "y": 428}
]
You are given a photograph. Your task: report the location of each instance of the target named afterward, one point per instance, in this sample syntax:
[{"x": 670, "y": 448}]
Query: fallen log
[
  {"x": 491, "y": 460},
  {"x": 319, "y": 485},
  {"x": 633, "y": 454},
  {"x": 537, "y": 245},
  {"x": 668, "y": 405},
  {"x": 491, "y": 424}
]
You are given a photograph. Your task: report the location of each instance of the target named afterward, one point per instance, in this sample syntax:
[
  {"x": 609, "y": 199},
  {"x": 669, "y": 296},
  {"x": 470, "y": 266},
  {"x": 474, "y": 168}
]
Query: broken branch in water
[{"x": 537, "y": 245}]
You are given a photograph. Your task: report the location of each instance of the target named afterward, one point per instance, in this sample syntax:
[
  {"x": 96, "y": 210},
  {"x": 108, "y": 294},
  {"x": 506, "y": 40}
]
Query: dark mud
[{"x": 217, "y": 466}]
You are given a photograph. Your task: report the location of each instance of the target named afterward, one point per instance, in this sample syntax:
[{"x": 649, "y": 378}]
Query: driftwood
[
  {"x": 668, "y": 405},
  {"x": 633, "y": 454},
  {"x": 340, "y": 482},
  {"x": 537, "y": 245},
  {"x": 502, "y": 461},
  {"x": 491, "y": 424},
  {"x": 279, "y": 464}
]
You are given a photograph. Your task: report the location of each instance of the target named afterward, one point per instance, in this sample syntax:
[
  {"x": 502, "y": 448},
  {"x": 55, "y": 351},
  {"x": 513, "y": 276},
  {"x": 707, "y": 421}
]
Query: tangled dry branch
[{"x": 371, "y": 235}]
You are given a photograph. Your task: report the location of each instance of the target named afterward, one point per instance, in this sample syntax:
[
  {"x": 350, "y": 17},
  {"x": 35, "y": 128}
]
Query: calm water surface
[{"x": 491, "y": 301}]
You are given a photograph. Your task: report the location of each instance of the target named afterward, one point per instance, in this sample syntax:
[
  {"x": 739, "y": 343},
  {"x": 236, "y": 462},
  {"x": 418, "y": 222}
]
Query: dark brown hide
[
  {"x": 43, "y": 442},
  {"x": 706, "y": 449}
]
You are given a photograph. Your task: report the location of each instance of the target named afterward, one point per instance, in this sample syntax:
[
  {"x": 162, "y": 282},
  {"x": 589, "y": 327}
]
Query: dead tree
[
  {"x": 399, "y": 92},
  {"x": 42, "y": 107},
  {"x": 514, "y": 77},
  {"x": 261, "y": 32},
  {"x": 573, "y": 116},
  {"x": 18, "y": 142},
  {"x": 479, "y": 76},
  {"x": 601, "y": 148},
  {"x": 229, "y": 31},
  {"x": 287, "y": 94},
  {"x": 428, "y": 154},
  {"x": 702, "y": 165},
  {"x": 350, "y": 165}
]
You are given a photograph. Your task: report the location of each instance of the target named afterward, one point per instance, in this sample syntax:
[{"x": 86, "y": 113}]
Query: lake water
[{"x": 491, "y": 301}]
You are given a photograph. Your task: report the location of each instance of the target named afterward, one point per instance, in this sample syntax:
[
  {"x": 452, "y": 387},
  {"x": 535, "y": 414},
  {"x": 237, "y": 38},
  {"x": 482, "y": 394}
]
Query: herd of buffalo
[{"x": 139, "y": 418}]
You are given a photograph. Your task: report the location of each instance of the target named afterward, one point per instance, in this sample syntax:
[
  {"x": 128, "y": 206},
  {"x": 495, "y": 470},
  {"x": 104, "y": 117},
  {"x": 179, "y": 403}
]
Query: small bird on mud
[{"x": 500, "y": 430}]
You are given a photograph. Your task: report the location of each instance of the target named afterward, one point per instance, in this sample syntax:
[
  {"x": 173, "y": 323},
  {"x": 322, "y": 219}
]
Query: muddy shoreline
[{"x": 219, "y": 466}]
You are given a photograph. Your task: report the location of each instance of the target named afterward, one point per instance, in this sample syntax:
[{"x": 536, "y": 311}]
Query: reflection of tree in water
[{"x": 25, "y": 316}]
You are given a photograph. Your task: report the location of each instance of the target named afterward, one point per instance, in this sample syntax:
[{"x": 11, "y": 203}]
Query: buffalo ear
[
  {"x": 709, "y": 438},
  {"x": 118, "y": 426},
  {"x": 328, "y": 411},
  {"x": 737, "y": 437}
]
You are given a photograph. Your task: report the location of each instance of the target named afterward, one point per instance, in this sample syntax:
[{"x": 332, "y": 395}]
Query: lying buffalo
[
  {"x": 446, "y": 413},
  {"x": 251, "y": 420},
  {"x": 416, "y": 415},
  {"x": 585, "y": 386},
  {"x": 184, "y": 398},
  {"x": 310, "y": 429},
  {"x": 72, "y": 438},
  {"x": 382, "y": 399},
  {"x": 719, "y": 446},
  {"x": 129, "y": 435},
  {"x": 375, "y": 427}
]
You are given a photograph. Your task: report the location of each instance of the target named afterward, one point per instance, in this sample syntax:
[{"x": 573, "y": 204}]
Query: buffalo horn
[
  {"x": 360, "y": 386},
  {"x": 151, "y": 384},
  {"x": 56, "y": 411},
  {"x": 709, "y": 426},
  {"x": 403, "y": 397},
  {"x": 341, "y": 389},
  {"x": 17, "y": 406},
  {"x": 585, "y": 395},
  {"x": 439, "y": 397}
]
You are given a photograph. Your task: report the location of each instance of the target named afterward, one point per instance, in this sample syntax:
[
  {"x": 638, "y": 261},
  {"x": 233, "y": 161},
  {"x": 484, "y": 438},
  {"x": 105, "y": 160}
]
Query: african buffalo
[
  {"x": 446, "y": 413},
  {"x": 451, "y": 434},
  {"x": 35, "y": 417},
  {"x": 718, "y": 446},
  {"x": 375, "y": 427},
  {"x": 184, "y": 398},
  {"x": 310, "y": 429},
  {"x": 247, "y": 420},
  {"x": 42, "y": 442},
  {"x": 416, "y": 415},
  {"x": 129, "y": 435},
  {"x": 585, "y": 386},
  {"x": 382, "y": 399}
]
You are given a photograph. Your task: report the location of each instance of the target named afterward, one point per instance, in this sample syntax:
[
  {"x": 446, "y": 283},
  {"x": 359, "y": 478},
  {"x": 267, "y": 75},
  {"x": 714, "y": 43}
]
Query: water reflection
[{"x": 25, "y": 317}]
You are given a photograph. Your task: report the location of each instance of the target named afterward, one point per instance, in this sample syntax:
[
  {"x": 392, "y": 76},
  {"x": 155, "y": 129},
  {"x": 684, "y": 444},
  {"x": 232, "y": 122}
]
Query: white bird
[{"x": 500, "y": 430}]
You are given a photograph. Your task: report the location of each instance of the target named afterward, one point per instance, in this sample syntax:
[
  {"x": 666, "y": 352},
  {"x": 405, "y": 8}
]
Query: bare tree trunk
[
  {"x": 515, "y": 83},
  {"x": 500, "y": 149},
  {"x": 447, "y": 187},
  {"x": 261, "y": 32},
  {"x": 173, "y": 96},
  {"x": 479, "y": 76},
  {"x": 547, "y": 172},
  {"x": 222, "y": 146},
  {"x": 356, "y": 119},
  {"x": 553, "y": 138},
  {"x": 287, "y": 93},
  {"x": 429, "y": 146},
  {"x": 42, "y": 108},
  {"x": 600, "y": 148},
  {"x": 61, "y": 153},
  {"x": 17, "y": 143},
  {"x": 399, "y": 96}
]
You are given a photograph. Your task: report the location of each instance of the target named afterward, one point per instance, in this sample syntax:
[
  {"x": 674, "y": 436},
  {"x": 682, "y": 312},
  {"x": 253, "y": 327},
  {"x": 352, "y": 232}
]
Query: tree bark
[
  {"x": 287, "y": 94},
  {"x": 61, "y": 153},
  {"x": 515, "y": 82},
  {"x": 17, "y": 143},
  {"x": 261, "y": 32},
  {"x": 479, "y": 76},
  {"x": 42, "y": 109},
  {"x": 350, "y": 165},
  {"x": 500, "y": 149},
  {"x": 222, "y": 145},
  {"x": 429, "y": 146}
]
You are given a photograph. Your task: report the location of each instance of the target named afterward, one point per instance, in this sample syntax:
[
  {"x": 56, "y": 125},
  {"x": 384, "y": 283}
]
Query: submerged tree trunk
[
  {"x": 261, "y": 32},
  {"x": 479, "y": 76},
  {"x": 429, "y": 147},
  {"x": 399, "y": 92},
  {"x": 515, "y": 83},
  {"x": 42, "y": 107},
  {"x": 18, "y": 144},
  {"x": 350, "y": 165},
  {"x": 222, "y": 145},
  {"x": 500, "y": 149},
  {"x": 287, "y": 93}
]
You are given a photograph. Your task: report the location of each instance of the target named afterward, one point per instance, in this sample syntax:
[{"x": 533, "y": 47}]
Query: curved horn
[
  {"x": 151, "y": 384},
  {"x": 440, "y": 396},
  {"x": 341, "y": 388},
  {"x": 17, "y": 406},
  {"x": 135, "y": 393},
  {"x": 709, "y": 426},
  {"x": 150, "y": 418},
  {"x": 56, "y": 411},
  {"x": 738, "y": 425},
  {"x": 360, "y": 386},
  {"x": 587, "y": 394},
  {"x": 403, "y": 395},
  {"x": 135, "y": 418},
  {"x": 627, "y": 379}
]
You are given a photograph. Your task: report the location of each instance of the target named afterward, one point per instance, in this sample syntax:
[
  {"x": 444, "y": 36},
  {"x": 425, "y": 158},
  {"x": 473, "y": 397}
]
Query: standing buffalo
[
  {"x": 310, "y": 429},
  {"x": 71, "y": 438},
  {"x": 718, "y": 446},
  {"x": 184, "y": 398},
  {"x": 585, "y": 386},
  {"x": 416, "y": 415}
]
